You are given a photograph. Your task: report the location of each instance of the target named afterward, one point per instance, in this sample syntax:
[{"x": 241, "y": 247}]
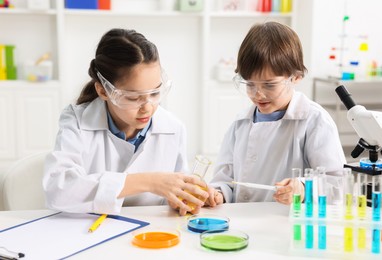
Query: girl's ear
[{"x": 100, "y": 91}]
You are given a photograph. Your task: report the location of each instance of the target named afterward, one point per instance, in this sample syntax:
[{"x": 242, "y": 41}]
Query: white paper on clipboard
[{"x": 61, "y": 235}]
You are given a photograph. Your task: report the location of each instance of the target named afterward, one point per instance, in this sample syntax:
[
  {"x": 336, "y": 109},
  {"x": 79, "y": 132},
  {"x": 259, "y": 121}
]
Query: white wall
[{"x": 179, "y": 51}]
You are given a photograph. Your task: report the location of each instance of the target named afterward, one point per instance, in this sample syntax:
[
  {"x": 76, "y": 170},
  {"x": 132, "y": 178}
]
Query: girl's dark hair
[
  {"x": 273, "y": 46},
  {"x": 118, "y": 50}
]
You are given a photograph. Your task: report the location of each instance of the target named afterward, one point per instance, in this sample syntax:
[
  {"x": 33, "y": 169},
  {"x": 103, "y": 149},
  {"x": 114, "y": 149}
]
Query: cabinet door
[
  {"x": 7, "y": 129},
  {"x": 37, "y": 113}
]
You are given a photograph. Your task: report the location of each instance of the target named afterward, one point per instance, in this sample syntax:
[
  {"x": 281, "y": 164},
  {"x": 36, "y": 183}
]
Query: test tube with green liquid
[
  {"x": 348, "y": 193},
  {"x": 296, "y": 176},
  {"x": 321, "y": 179},
  {"x": 376, "y": 197},
  {"x": 361, "y": 195},
  {"x": 309, "y": 192}
]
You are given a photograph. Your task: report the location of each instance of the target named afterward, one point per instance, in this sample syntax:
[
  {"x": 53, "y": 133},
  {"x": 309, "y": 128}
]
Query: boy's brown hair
[{"x": 272, "y": 46}]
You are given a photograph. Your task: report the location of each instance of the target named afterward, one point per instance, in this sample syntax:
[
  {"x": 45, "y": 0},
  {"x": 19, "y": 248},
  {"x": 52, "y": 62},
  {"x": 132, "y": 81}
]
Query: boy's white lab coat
[
  {"x": 265, "y": 152},
  {"x": 87, "y": 169}
]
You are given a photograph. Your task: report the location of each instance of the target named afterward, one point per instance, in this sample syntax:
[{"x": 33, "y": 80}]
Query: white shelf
[
  {"x": 20, "y": 11},
  {"x": 130, "y": 13},
  {"x": 246, "y": 14},
  {"x": 20, "y": 84}
]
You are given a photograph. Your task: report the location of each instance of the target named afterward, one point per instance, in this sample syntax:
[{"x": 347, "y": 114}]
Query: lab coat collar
[
  {"x": 94, "y": 117},
  {"x": 298, "y": 109}
]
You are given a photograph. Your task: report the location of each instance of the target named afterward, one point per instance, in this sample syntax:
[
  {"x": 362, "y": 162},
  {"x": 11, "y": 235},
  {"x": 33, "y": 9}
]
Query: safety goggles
[
  {"x": 135, "y": 99},
  {"x": 267, "y": 89}
]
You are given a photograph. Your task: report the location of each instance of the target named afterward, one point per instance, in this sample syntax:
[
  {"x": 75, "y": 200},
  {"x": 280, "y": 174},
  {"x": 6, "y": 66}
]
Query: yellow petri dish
[
  {"x": 224, "y": 240},
  {"x": 156, "y": 238}
]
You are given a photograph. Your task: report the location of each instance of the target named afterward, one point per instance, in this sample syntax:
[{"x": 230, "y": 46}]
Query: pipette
[{"x": 256, "y": 185}]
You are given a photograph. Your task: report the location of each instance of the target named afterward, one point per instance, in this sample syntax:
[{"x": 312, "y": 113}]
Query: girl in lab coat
[
  {"x": 117, "y": 146},
  {"x": 282, "y": 130}
]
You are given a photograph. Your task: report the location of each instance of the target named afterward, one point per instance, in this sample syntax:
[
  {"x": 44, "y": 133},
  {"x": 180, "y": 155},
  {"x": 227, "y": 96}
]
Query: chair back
[{"x": 22, "y": 184}]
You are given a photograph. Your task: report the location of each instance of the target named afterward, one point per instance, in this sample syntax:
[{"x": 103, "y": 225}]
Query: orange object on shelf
[{"x": 104, "y": 4}]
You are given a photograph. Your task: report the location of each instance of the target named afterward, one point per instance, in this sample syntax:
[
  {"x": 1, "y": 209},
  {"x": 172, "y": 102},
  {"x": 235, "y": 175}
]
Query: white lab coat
[
  {"x": 265, "y": 152},
  {"x": 87, "y": 169}
]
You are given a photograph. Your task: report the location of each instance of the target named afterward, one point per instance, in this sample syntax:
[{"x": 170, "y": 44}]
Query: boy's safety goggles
[
  {"x": 135, "y": 99},
  {"x": 271, "y": 89}
]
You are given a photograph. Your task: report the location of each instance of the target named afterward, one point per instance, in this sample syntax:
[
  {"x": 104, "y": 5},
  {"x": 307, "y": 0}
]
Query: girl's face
[
  {"x": 142, "y": 78},
  {"x": 270, "y": 93}
]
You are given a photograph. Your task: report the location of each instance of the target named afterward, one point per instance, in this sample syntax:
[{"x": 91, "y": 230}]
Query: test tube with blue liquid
[
  {"x": 309, "y": 192},
  {"x": 376, "y": 243},
  {"x": 361, "y": 195},
  {"x": 321, "y": 181},
  {"x": 348, "y": 193},
  {"x": 376, "y": 197}
]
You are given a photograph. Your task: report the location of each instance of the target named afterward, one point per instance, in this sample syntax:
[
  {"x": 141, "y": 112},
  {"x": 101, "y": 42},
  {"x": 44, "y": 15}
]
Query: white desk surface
[{"x": 267, "y": 225}]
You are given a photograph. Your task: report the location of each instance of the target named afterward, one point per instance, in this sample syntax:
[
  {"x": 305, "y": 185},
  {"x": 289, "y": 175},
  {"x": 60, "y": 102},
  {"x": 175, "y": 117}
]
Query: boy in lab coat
[{"x": 282, "y": 130}]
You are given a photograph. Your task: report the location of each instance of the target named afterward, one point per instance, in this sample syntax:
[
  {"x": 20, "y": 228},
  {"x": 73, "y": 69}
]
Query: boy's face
[{"x": 270, "y": 93}]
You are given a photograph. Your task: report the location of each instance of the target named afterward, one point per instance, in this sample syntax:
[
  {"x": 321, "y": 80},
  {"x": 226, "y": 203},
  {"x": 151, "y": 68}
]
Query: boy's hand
[
  {"x": 285, "y": 190},
  {"x": 215, "y": 197}
]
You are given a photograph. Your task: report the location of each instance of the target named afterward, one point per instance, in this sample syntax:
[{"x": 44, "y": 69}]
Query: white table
[{"x": 266, "y": 224}]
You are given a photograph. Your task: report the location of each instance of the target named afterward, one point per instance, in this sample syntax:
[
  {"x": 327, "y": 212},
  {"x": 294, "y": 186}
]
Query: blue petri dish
[
  {"x": 367, "y": 164},
  {"x": 205, "y": 222}
]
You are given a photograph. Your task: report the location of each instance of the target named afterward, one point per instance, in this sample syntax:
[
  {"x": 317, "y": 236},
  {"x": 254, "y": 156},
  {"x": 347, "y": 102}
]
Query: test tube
[
  {"x": 361, "y": 238},
  {"x": 321, "y": 179},
  {"x": 296, "y": 176},
  {"x": 361, "y": 196},
  {"x": 348, "y": 239},
  {"x": 376, "y": 197},
  {"x": 348, "y": 193},
  {"x": 376, "y": 244},
  {"x": 309, "y": 192},
  {"x": 322, "y": 236},
  {"x": 309, "y": 236}
]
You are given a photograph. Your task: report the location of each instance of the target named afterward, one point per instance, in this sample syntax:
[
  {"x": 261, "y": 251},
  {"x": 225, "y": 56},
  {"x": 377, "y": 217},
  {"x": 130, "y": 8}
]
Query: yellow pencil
[{"x": 97, "y": 223}]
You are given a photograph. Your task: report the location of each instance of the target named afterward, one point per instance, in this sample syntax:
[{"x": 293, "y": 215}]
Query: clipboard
[{"x": 61, "y": 235}]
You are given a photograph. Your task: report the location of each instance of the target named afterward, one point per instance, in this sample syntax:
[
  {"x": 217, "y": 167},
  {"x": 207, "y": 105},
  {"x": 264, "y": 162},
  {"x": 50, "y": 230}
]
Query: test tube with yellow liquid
[
  {"x": 361, "y": 195},
  {"x": 199, "y": 169},
  {"x": 348, "y": 193}
]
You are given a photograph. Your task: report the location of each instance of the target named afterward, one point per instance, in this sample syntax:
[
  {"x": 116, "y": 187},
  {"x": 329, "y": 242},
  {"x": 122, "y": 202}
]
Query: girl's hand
[
  {"x": 285, "y": 190},
  {"x": 215, "y": 197},
  {"x": 179, "y": 189}
]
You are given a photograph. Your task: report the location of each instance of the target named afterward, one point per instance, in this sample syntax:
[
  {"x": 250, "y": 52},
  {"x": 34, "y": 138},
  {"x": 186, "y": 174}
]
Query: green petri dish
[{"x": 224, "y": 240}]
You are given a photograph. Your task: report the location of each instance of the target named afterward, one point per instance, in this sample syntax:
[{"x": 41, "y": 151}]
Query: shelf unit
[
  {"x": 190, "y": 45},
  {"x": 324, "y": 94}
]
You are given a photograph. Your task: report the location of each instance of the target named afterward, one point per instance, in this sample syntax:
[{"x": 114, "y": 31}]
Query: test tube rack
[{"x": 334, "y": 236}]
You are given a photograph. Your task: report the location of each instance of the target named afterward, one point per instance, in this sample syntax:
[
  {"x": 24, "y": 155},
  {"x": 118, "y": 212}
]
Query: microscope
[{"x": 368, "y": 126}]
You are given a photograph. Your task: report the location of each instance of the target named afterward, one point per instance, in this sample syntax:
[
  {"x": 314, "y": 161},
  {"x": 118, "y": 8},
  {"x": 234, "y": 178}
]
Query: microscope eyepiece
[{"x": 345, "y": 97}]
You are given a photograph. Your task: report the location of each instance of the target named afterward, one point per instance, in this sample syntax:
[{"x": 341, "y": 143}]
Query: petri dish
[
  {"x": 367, "y": 164},
  {"x": 206, "y": 222},
  {"x": 224, "y": 240},
  {"x": 156, "y": 238}
]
